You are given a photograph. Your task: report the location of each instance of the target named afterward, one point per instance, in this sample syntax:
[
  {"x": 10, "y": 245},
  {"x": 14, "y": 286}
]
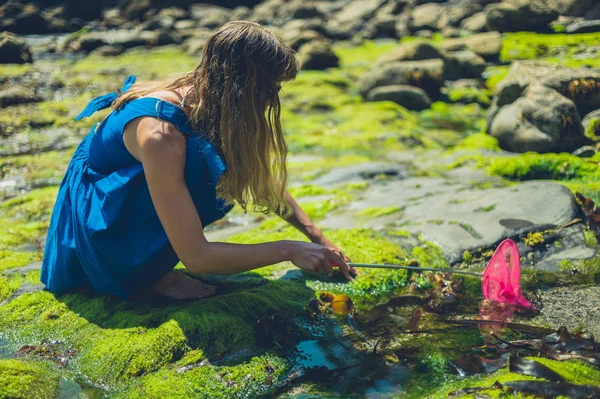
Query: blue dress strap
[{"x": 106, "y": 100}]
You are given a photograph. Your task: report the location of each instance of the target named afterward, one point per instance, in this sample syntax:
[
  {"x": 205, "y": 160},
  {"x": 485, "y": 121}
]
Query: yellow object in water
[{"x": 342, "y": 304}]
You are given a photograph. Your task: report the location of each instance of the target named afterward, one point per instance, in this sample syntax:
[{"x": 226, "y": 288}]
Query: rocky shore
[{"x": 420, "y": 132}]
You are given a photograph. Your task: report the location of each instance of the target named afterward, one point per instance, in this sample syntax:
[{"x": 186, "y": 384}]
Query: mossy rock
[
  {"x": 26, "y": 379},
  {"x": 117, "y": 341}
]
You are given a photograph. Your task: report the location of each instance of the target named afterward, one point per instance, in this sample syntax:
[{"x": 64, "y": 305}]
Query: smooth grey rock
[
  {"x": 209, "y": 16},
  {"x": 297, "y": 38},
  {"x": 459, "y": 217},
  {"x": 589, "y": 9},
  {"x": 584, "y": 26},
  {"x": 486, "y": 45},
  {"x": 542, "y": 120},
  {"x": 412, "y": 51},
  {"x": 426, "y": 17},
  {"x": 454, "y": 15},
  {"x": 318, "y": 55},
  {"x": 14, "y": 50},
  {"x": 409, "y": 97},
  {"x": 520, "y": 15},
  {"x": 475, "y": 23},
  {"x": 360, "y": 172},
  {"x": 427, "y": 75},
  {"x": 463, "y": 64},
  {"x": 381, "y": 27},
  {"x": 355, "y": 13},
  {"x": 581, "y": 85}
]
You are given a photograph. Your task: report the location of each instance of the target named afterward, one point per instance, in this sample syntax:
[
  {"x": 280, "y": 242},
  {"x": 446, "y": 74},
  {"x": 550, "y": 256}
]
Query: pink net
[{"x": 501, "y": 278}]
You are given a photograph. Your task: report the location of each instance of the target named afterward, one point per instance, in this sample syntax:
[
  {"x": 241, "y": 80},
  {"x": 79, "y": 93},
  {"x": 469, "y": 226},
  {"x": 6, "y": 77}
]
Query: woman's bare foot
[{"x": 176, "y": 285}]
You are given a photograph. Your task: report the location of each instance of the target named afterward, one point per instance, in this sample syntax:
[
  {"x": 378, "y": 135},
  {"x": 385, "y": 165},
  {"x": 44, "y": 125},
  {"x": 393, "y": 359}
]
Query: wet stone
[
  {"x": 361, "y": 172},
  {"x": 459, "y": 215}
]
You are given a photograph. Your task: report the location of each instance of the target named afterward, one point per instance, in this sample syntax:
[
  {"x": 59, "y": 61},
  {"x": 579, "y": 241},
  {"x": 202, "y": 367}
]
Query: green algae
[
  {"x": 362, "y": 128},
  {"x": 33, "y": 206},
  {"x": 468, "y": 95},
  {"x": 375, "y": 212},
  {"x": 429, "y": 254},
  {"x": 593, "y": 130},
  {"x": 9, "y": 285},
  {"x": 360, "y": 58},
  {"x": 48, "y": 114},
  {"x": 146, "y": 64},
  {"x": 253, "y": 378},
  {"x": 14, "y": 70},
  {"x": 574, "y": 372},
  {"x": 23, "y": 379},
  {"x": 307, "y": 190},
  {"x": 494, "y": 75},
  {"x": 532, "y": 165},
  {"x": 528, "y": 45},
  {"x": 11, "y": 259},
  {"x": 117, "y": 341},
  {"x": 479, "y": 141}
]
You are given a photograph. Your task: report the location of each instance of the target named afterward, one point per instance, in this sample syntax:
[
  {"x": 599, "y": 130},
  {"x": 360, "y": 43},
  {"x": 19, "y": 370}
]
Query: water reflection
[{"x": 494, "y": 311}]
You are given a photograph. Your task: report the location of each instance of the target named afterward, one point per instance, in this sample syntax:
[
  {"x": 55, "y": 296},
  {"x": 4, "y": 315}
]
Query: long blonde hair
[{"x": 235, "y": 104}]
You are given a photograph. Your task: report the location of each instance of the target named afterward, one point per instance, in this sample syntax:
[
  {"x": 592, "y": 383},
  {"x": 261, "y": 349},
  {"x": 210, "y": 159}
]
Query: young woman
[{"x": 172, "y": 157}]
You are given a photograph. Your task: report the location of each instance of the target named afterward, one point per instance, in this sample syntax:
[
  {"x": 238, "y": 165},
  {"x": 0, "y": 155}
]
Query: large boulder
[
  {"x": 381, "y": 27},
  {"x": 124, "y": 38},
  {"x": 520, "y": 15},
  {"x": 13, "y": 50},
  {"x": 17, "y": 95},
  {"x": 411, "y": 51},
  {"x": 583, "y": 26},
  {"x": 194, "y": 45},
  {"x": 358, "y": 12},
  {"x": 486, "y": 45},
  {"x": 542, "y": 120},
  {"x": 86, "y": 10},
  {"x": 454, "y": 15},
  {"x": 209, "y": 16},
  {"x": 427, "y": 75},
  {"x": 576, "y": 8},
  {"x": 463, "y": 64},
  {"x": 318, "y": 55},
  {"x": 475, "y": 23},
  {"x": 23, "y": 19},
  {"x": 351, "y": 19},
  {"x": 409, "y": 97},
  {"x": 581, "y": 85},
  {"x": 426, "y": 17}
]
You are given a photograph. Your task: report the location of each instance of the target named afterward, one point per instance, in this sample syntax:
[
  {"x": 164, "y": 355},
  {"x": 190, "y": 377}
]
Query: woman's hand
[
  {"x": 317, "y": 258},
  {"x": 321, "y": 240}
]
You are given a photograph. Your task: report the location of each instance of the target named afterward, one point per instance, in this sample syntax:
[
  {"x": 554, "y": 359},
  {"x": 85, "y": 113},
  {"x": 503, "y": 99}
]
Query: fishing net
[{"x": 501, "y": 280}]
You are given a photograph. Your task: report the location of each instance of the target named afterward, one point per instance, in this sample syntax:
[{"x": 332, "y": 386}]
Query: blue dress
[{"x": 104, "y": 232}]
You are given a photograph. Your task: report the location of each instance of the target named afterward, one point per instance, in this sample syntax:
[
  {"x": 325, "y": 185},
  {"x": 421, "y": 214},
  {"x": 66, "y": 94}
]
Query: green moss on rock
[
  {"x": 22, "y": 379},
  {"x": 479, "y": 141},
  {"x": 12, "y": 259},
  {"x": 375, "y": 212},
  {"x": 9, "y": 285},
  {"x": 468, "y": 95},
  {"x": 574, "y": 372},
  {"x": 530, "y": 166},
  {"x": 118, "y": 340},
  {"x": 252, "y": 379}
]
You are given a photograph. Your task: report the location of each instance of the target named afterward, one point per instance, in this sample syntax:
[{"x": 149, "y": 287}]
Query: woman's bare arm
[
  {"x": 160, "y": 147},
  {"x": 302, "y": 222}
]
